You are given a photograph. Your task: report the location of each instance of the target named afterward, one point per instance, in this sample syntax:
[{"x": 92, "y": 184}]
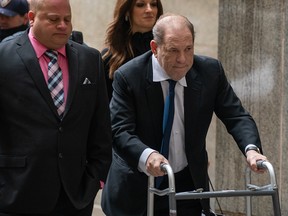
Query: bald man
[{"x": 55, "y": 129}]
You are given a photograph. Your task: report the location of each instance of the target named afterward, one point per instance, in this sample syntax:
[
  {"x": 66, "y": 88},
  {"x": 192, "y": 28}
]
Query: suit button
[
  {"x": 61, "y": 129},
  {"x": 60, "y": 155}
]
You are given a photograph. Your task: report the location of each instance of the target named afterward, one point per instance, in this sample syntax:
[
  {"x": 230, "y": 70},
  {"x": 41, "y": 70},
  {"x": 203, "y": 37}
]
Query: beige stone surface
[{"x": 253, "y": 49}]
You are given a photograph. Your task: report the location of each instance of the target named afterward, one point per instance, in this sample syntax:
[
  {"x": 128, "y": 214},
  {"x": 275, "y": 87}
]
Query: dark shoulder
[
  {"x": 83, "y": 48},
  {"x": 14, "y": 36},
  {"x": 207, "y": 68},
  {"x": 104, "y": 51},
  {"x": 206, "y": 62},
  {"x": 14, "y": 43},
  {"x": 136, "y": 68},
  {"x": 200, "y": 59},
  {"x": 138, "y": 62}
]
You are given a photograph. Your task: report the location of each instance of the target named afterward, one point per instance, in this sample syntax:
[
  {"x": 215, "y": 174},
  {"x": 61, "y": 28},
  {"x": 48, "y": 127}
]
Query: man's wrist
[{"x": 251, "y": 147}]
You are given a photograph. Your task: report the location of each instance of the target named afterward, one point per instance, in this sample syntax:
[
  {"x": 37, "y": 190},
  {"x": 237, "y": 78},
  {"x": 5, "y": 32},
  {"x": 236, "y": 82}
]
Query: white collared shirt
[{"x": 177, "y": 157}]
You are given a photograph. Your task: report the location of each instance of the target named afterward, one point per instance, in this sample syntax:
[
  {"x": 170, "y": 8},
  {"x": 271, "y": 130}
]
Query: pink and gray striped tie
[{"x": 55, "y": 82}]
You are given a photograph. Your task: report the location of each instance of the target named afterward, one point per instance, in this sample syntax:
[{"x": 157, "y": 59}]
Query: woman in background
[{"x": 129, "y": 34}]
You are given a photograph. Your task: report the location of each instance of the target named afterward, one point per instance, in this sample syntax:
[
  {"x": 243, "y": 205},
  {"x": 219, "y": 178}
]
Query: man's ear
[
  {"x": 31, "y": 16},
  {"x": 153, "y": 46}
]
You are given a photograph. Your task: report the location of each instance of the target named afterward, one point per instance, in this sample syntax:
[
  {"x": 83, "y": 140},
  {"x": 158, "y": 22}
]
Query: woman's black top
[{"x": 140, "y": 45}]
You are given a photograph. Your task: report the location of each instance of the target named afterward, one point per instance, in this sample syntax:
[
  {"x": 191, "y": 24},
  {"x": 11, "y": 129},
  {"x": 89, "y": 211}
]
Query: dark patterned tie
[
  {"x": 55, "y": 82},
  {"x": 168, "y": 117}
]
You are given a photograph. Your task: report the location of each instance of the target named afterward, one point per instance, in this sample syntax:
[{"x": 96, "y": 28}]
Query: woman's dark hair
[{"x": 119, "y": 34}]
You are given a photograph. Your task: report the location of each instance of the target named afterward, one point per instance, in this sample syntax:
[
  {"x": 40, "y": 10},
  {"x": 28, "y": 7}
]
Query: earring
[{"x": 126, "y": 18}]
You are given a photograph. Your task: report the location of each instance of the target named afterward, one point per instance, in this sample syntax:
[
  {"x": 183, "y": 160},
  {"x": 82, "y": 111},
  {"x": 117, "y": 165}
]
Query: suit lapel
[
  {"x": 28, "y": 56},
  {"x": 192, "y": 101},
  {"x": 192, "y": 93},
  {"x": 73, "y": 74},
  {"x": 155, "y": 103}
]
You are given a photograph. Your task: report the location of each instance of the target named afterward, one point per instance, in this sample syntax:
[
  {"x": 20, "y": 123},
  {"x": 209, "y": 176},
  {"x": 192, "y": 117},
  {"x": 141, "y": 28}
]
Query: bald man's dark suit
[
  {"x": 38, "y": 151},
  {"x": 136, "y": 112}
]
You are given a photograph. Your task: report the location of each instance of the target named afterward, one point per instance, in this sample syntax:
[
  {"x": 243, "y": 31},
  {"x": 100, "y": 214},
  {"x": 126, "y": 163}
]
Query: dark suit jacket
[
  {"x": 136, "y": 112},
  {"x": 38, "y": 151}
]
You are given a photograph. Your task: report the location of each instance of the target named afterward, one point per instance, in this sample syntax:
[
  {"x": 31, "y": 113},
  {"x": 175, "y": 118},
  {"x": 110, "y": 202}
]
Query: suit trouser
[
  {"x": 183, "y": 182},
  {"x": 64, "y": 207}
]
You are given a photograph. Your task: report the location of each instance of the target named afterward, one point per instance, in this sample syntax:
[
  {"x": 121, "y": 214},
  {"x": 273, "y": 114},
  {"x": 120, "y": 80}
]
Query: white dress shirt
[{"x": 177, "y": 157}]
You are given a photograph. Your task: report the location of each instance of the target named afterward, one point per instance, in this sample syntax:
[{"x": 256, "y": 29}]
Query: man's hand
[
  {"x": 153, "y": 164},
  {"x": 252, "y": 158}
]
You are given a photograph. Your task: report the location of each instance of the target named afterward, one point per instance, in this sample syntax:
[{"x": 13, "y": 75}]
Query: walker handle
[{"x": 260, "y": 164}]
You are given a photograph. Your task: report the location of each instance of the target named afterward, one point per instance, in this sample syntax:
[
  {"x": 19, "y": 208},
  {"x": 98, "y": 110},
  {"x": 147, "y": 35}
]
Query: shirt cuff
[
  {"x": 143, "y": 158},
  {"x": 248, "y": 146}
]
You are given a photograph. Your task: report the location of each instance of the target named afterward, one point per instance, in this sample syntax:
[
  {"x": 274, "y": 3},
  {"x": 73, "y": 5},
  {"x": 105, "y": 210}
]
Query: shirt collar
[
  {"x": 40, "y": 49},
  {"x": 159, "y": 73}
]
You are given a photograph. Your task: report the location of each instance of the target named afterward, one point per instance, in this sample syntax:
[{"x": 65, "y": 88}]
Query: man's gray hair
[{"x": 167, "y": 20}]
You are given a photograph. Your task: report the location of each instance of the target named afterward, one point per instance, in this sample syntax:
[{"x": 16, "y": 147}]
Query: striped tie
[{"x": 55, "y": 82}]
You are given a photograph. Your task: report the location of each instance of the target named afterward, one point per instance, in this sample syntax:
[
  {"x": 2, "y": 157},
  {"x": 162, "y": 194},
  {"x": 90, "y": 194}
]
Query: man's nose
[
  {"x": 181, "y": 57},
  {"x": 62, "y": 24}
]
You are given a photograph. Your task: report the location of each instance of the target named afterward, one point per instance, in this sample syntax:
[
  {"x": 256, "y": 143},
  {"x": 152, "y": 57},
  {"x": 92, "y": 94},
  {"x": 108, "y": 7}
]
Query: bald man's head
[{"x": 171, "y": 22}]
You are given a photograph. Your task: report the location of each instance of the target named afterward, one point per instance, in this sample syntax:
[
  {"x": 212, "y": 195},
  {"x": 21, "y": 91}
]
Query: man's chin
[{"x": 61, "y": 41}]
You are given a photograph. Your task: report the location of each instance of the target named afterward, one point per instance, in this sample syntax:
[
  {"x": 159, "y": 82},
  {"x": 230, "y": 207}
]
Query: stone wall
[{"x": 253, "y": 50}]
